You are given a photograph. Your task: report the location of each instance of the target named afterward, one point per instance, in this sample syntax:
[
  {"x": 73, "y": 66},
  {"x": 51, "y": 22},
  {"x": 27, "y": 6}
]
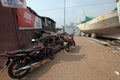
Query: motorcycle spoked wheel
[
  {"x": 51, "y": 53},
  {"x": 14, "y": 66}
]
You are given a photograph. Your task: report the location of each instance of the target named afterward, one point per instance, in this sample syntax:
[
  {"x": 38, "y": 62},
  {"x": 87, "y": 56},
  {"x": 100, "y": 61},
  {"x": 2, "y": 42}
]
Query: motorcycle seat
[{"x": 28, "y": 51}]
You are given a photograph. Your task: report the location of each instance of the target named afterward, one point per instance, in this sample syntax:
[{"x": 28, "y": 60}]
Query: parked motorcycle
[
  {"x": 19, "y": 63},
  {"x": 69, "y": 42}
]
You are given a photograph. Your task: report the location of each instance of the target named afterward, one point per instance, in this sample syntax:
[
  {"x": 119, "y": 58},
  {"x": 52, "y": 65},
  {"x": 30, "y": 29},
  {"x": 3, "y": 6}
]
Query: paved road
[{"x": 87, "y": 61}]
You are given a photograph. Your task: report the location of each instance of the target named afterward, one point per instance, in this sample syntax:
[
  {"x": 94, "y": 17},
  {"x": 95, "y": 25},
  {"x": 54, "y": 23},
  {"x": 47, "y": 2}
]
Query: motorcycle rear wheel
[
  {"x": 2, "y": 61},
  {"x": 13, "y": 66}
]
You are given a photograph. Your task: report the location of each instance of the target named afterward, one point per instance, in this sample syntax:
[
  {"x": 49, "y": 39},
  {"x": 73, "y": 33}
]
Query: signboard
[
  {"x": 38, "y": 23},
  {"x": 14, "y": 3},
  {"x": 26, "y": 20},
  {"x": 118, "y": 8}
]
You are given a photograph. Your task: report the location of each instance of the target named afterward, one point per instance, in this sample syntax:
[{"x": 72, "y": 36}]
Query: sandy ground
[{"x": 87, "y": 61}]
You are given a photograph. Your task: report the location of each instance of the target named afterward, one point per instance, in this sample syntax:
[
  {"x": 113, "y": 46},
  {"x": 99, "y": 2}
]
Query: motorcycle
[
  {"x": 19, "y": 63},
  {"x": 69, "y": 42}
]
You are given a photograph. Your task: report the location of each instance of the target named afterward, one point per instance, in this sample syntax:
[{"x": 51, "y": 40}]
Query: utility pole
[{"x": 64, "y": 13}]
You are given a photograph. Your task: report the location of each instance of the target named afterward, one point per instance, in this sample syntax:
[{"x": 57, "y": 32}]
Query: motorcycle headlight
[{"x": 33, "y": 40}]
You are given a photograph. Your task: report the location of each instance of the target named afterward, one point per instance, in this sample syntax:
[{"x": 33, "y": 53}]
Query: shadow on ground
[
  {"x": 76, "y": 49},
  {"x": 60, "y": 56}
]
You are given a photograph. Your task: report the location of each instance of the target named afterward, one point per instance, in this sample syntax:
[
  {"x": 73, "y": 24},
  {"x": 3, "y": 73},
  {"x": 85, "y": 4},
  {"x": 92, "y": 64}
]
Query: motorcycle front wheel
[
  {"x": 67, "y": 47},
  {"x": 17, "y": 75}
]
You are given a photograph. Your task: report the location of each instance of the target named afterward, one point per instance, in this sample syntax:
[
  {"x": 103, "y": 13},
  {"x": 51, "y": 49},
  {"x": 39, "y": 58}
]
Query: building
[{"x": 14, "y": 38}]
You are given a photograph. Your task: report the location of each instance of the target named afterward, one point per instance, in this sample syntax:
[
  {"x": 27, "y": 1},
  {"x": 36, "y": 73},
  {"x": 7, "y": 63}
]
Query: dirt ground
[{"x": 87, "y": 61}]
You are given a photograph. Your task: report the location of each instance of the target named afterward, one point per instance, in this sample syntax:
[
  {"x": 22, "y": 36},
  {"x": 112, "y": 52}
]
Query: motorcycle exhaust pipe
[{"x": 26, "y": 67}]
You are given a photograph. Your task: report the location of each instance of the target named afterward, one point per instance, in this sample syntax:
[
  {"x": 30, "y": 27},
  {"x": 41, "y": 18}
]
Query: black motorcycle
[
  {"x": 20, "y": 62},
  {"x": 69, "y": 42}
]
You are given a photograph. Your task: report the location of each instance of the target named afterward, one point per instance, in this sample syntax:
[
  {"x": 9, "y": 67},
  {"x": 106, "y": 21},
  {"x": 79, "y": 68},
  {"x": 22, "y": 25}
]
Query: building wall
[
  {"x": 25, "y": 37},
  {"x": 7, "y": 30},
  {"x": 48, "y": 24},
  {"x": 11, "y": 38}
]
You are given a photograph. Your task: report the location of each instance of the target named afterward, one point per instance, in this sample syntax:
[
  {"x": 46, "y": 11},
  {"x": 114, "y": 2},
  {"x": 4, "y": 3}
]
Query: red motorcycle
[
  {"x": 19, "y": 63},
  {"x": 69, "y": 42}
]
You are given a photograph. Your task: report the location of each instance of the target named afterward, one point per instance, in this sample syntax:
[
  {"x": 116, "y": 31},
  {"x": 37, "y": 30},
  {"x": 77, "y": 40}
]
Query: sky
[{"x": 76, "y": 10}]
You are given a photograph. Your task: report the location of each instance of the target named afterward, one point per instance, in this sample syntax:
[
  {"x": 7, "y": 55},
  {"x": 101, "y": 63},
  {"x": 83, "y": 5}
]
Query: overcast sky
[{"x": 75, "y": 11}]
